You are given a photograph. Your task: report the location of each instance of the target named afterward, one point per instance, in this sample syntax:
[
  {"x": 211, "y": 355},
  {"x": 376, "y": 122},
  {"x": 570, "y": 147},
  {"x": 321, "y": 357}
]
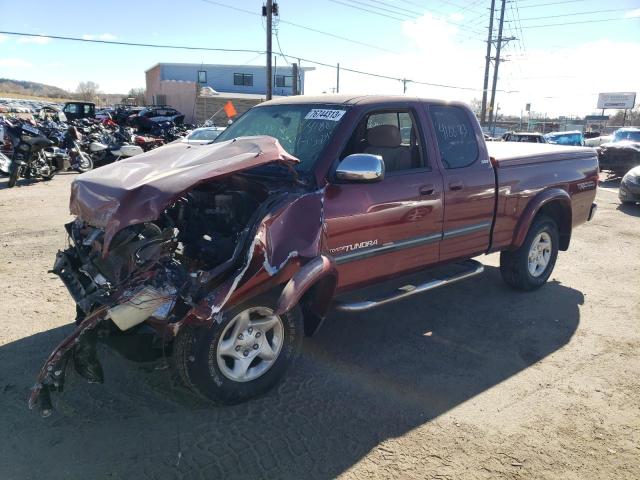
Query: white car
[
  {"x": 597, "y": 141},
  {"x": 203, "y": 135}
]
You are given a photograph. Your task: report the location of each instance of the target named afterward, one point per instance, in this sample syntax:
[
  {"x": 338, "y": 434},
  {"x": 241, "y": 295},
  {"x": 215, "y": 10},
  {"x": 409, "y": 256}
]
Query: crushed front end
[{"x": 176, "y": 261}]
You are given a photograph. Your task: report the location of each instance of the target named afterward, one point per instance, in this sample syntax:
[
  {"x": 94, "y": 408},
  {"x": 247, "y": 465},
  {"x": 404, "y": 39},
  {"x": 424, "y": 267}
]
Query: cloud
[
  {"x": 102, "y": 36},
  {"x": 3, "y": 37},
  {"x": 14, "y": 63},
  {"x": 633, "y": 13},
  {"x": 35, "y": 40},
  {"x": 456, "y": 17},
  {"x": 562, "y": 81}
]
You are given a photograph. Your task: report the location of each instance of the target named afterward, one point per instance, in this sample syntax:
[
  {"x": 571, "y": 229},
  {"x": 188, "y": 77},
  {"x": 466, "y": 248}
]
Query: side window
[
  {"x": 391, "y": 134},
  {"x": 87, "y": 109},
  {"x": 456, "y": 136},
  {"x": 71, "y": 108}
]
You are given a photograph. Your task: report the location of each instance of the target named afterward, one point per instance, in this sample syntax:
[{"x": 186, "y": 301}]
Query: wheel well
[
  {"x": 315, "y": 303},
  {"x": 560, "y": 213}
]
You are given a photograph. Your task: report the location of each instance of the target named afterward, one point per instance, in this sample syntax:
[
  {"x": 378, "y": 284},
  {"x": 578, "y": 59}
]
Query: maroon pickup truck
[{"x": 225, "y": 255}]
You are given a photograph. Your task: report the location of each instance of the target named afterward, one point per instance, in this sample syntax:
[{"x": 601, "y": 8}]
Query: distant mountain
[{"x": 35, "y": 89}]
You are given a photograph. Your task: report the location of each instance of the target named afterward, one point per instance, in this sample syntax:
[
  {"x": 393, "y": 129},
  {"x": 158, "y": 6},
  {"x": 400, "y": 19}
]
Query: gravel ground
[{"x": 475, "y": 381}]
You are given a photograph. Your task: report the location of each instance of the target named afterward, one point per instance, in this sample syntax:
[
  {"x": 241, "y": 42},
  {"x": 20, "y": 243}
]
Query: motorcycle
[
  {"x": 28, "y": 159},
  {"x": 70, "y": 156},
  {"x": 36, "y": 156},
  {"x": 107, "y": 148}
]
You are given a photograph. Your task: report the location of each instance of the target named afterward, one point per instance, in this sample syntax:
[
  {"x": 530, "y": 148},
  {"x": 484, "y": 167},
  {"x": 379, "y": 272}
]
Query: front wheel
[
  {"x": 243, "y": 356},
  {"x": 85, "y": 163},
  {"x": 530, "y": 266},
  {"x": 14, "y": 172}
]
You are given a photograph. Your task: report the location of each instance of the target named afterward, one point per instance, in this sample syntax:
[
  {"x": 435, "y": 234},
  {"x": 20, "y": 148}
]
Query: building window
[
  {"x": 245, "y": 79},
  {"x": 283, "y": 81},
  {"x": 202, "y": 76}
]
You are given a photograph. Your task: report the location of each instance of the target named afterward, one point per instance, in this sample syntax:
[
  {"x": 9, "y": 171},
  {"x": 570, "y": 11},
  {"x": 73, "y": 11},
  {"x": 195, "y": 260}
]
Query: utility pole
[
  {"x": 268, "y": 11},
  {"x": 294, "y": 79},
  {"x": 404, "y": 85},
  {"x": 338, "y": 78},
  {"x": 487, "y": 64},
  {"x": 497, "y": 64}
]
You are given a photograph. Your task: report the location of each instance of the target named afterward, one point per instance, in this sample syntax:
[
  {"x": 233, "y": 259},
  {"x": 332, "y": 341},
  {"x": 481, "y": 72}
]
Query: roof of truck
[{"x": 346, "y": 99}]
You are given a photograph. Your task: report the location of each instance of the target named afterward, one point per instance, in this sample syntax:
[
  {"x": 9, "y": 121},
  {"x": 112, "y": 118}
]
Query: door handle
[
  {"x": 457, "y": 185},
  {"x": 427, "y": 190}
]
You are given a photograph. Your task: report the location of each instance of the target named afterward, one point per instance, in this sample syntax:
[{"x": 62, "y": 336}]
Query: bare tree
[
  {"x": 87, "y": 91},
  {"x": 633, "y": 117},
  {"x": 476, "y": 106},
  {"x": 138, "y": 96}
]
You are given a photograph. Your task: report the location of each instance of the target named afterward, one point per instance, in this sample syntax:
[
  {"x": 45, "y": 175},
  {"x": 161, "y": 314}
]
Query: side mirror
[{"x": 361, "y": 167}]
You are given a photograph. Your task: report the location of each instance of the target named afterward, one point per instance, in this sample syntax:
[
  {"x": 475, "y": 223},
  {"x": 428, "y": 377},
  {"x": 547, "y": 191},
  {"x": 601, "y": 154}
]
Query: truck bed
[{"x": 507, "y": 154}]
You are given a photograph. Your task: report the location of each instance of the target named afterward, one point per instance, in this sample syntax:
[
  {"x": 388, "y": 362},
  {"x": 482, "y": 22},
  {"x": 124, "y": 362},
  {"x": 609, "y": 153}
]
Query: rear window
[{"x": 456, "y": 136}]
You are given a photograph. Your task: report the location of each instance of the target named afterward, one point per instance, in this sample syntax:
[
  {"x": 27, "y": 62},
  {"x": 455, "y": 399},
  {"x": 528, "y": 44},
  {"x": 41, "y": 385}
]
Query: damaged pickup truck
[{"x": 225, "y": 255}]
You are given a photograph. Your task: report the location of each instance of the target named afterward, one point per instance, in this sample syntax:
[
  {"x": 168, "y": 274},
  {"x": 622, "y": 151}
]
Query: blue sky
[{"x": 557, "y": 69}]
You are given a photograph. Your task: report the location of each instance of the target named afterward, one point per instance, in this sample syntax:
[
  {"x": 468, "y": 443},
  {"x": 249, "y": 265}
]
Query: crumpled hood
[{"x": 138, "y": 189}]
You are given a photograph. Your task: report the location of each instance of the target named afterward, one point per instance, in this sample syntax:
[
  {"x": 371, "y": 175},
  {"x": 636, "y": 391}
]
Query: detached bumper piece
[{"x": 80, "y": 348}]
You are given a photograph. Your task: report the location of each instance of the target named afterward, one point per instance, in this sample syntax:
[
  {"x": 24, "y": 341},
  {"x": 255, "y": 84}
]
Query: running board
[{"x": 475, "y": 268}]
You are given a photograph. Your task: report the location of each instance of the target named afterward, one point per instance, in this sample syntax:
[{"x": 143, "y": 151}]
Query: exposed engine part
[{"x": 144, "y": 303}]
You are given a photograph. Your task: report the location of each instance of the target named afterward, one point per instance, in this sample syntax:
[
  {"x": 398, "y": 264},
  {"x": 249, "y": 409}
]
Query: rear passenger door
[{"x": 469, "y": 182}]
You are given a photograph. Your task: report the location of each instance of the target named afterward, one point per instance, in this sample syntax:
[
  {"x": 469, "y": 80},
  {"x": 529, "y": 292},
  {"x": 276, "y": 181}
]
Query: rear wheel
[
  {"x": 530, "y": 266},
  {"x": 243, "y": 356}
]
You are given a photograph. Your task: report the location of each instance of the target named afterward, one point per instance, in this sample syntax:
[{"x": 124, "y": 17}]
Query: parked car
[
  {"x": 597, "y": 141},
  {"x": 105, "y": 114},
  {"x": 77, "y": 110},
  {"x": 573, "y": 138},
  {"x": 622, "y": 153},
  {"x": 527, "y": 137},
  {"x": 629, "y": 191},
  {"x": 227, "y": 254},
  {"x": 203, "y": 135},
  {"x": 145, "y": 119},
  {"x": 124, "y": 114}
]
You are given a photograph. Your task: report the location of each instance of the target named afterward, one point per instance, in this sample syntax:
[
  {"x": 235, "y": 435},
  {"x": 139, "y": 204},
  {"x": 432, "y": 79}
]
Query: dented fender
[{"x": 319, "y": 269}]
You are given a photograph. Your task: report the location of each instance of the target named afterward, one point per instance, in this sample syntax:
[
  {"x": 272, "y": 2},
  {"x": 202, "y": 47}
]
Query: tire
[
  {"x": 14, "y": 171},
  {"x": 197, "y": 356},
  {"x": 86, "y": 163},
  {"x": 515, "y": 266}
]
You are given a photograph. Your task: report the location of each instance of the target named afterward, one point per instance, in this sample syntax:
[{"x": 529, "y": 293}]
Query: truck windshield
[{"x": 302, "y": 130}]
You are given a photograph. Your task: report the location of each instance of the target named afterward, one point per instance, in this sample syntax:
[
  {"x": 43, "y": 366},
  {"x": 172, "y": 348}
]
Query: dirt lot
[{"x": 475, "y": 381}]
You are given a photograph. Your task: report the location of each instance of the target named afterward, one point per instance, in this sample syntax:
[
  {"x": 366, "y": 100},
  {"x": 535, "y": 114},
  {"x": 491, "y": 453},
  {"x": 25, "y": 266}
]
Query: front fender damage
[{"x": 285, "y": 246}]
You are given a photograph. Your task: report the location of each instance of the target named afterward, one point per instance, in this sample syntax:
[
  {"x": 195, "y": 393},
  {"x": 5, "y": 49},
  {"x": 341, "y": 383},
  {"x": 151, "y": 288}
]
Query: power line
[
  {"x": 395, "y": 7},
  {"x": 393, "y": 10},
  {"x": 367, "y": 10},
  {"x": 577, "y": 23},
  {"x": 554, "y": 3},
  {"x": 304, "y": 27},
  {"x": 380, "y": 13},
  {"x": 235, "y": 50},
  {"x": 132, "y": 44},
  {"x": 576, "y": 13}
]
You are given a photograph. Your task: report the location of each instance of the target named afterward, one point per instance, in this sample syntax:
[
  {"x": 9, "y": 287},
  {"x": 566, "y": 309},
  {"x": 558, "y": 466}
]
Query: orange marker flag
[{"x": 229, "y": 109}]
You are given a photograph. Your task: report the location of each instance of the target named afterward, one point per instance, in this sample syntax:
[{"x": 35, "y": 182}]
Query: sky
[{"x": 556, "y": 64}]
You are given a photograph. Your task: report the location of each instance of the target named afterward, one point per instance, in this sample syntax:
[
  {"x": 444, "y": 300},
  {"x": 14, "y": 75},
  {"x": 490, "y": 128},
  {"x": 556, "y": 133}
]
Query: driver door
[{"x": 383, "y": 229}]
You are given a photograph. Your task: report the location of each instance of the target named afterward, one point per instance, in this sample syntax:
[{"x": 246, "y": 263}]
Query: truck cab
[{"x": 77, "y": 110}]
